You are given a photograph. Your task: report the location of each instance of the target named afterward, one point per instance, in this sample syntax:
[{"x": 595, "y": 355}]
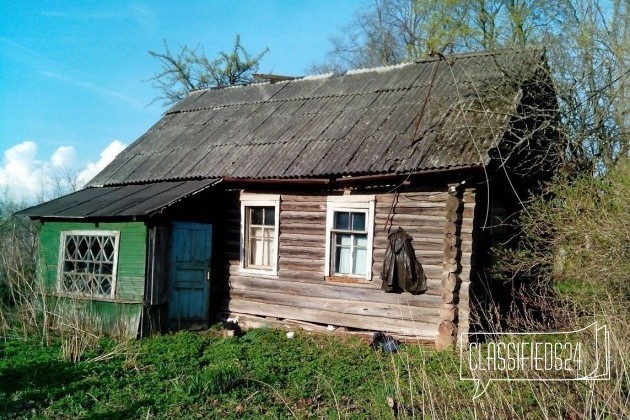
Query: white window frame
[
  {"x": 350, "y": 203},
  {"x": 61, "y": 259},
  {"x": 259, "y": 200}
]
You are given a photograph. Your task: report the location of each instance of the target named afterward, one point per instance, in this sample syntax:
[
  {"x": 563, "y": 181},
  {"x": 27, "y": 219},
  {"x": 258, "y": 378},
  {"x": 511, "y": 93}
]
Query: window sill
[
  {"x": 257, "y": 271},
  {"x": 91, "y": 298},
  {"x": 349, "y": 281}
]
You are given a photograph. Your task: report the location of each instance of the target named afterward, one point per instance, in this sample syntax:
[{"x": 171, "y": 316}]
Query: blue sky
[{"x": 71, "y": 72}]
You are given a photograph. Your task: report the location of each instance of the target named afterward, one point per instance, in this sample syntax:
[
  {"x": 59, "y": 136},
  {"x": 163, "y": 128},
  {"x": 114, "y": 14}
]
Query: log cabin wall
[{"x": 300, "y": 291}]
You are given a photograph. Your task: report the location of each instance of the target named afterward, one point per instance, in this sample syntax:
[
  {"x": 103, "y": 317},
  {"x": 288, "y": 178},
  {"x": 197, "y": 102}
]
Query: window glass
[
  {"x": 270, "y": 216},
  {"x": 358, "y": 221},
  {"x": 260, "y": 237},
  {"x": 256, "y": 215},
  {"x": 342, "y": 220},
  {"x": 349, "y": 237},
  {"x": 87, "y": 265}
]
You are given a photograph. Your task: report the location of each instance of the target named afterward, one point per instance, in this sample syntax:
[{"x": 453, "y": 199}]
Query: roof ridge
[
  {"x": 312, "y": 77},
  {"x": 495, "y": 51}
]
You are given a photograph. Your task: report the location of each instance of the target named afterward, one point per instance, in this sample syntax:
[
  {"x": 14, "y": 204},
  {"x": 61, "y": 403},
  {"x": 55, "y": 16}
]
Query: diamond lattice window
[{"x": 88, "y": 263}]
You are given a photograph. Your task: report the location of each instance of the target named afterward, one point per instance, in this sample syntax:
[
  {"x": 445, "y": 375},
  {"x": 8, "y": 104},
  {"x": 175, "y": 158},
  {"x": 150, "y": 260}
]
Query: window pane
[
  {"x": 256, "y": 251},
  {"x": 360, "y": 258},
  {"x": 358, "y": 221},
  {"x": 343, "y": 260},
  {"x": 268, "y": 233},
  {"x": 360, "y": 241},
  {"x": 342, "y": 220},
  {"x": 106, "y": 286},
  {"x": 341, "y": 239},
  {"x": 71, "y": 247},
  {"x": 267, "y": 248},
  {"x": 256, "y": 232},
  {"x": 270, "y": 216},
  {"x": 256, "y": 215},
  {"x": 269, "y": 237}
]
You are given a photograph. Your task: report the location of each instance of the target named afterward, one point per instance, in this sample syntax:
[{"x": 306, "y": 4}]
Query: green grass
[
  {"x": 262, "y": 374},
  {"x": 188, "y": 375}
]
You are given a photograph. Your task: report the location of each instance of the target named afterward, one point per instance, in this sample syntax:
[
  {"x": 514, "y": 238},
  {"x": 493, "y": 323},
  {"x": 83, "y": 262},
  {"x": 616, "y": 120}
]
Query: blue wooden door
[{"x": 191, "y": 250}]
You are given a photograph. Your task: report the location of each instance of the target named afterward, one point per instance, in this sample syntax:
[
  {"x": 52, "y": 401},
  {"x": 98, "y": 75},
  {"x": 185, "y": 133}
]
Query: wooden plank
[
  {"x": 426, "y": 211},
  {"x": 292, "y": 275},
  {"x": 301, "y": 237},
  {"x": 338, "y": 291},
  {"x": 410, "y": 220},
  {"x": 300, "y": 244},
  {"x": 303, "y": 215},
  {"x": 419, "y": 329},
  {"x": 344, "y": 306},
  {"x": 303, "y": 223},
  {"x": 247, "y": 321},
  {"x": 304, "y": 229},
  {"x": 309, "y": 206},
  {"x": 302, "y": 252},
  {"x": 302, "y": 198}
]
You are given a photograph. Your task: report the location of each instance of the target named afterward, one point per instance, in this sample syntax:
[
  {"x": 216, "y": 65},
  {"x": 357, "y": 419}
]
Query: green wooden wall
[
  {"x": 131, "y": 255},
  {"x": 98, "y": 317}
]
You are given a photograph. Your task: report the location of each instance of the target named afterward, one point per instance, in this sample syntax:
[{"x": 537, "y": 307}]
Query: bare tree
[{"x": 190, "y": 69}]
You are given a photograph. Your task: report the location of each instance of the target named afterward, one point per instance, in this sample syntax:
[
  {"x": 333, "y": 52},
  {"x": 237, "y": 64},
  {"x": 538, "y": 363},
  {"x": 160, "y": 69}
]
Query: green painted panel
[
  {"x": 131, "y": 254},
  {"x": 117, "y": 319}
]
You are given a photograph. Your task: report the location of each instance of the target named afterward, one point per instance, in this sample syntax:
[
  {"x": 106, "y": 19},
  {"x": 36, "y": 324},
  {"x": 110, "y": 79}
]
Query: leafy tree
[{"x": 190, "y": 69}]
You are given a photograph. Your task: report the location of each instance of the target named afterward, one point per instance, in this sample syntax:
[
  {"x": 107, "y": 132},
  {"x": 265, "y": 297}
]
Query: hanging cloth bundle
[{"x": 401, "y": 270}]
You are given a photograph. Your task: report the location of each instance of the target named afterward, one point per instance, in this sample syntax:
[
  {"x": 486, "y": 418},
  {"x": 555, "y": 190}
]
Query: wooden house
[{"x": 273, "y": 201}]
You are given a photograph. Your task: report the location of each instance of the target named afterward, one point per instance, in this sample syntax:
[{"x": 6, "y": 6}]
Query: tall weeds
[
  {"x": 573, "y": 267},
  {"x": 25, "y": 309},
  {"x": 19, "y": 292}
]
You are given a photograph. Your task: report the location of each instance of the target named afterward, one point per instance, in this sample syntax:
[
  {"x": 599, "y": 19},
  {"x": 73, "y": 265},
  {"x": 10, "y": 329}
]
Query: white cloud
[
  {"x": 107, "y": 155},
  {"x": 63, "y": 157},
  {"x": 25, "y": 178}
]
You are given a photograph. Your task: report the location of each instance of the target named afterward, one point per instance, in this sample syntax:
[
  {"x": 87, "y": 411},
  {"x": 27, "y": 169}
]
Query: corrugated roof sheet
[
  {"x": 120, "y": 201},
  {"x": 358, "y": 123}
]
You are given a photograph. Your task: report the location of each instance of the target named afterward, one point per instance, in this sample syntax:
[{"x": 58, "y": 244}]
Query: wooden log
[
  {"x": 303, "y": 230},
  {"x": 448, "y": 312},
  {"x": 438, "y": 210},
  {"x": 344, "y": 306},
  {"x": 453, "y": 204},
  {"x": 450, "y": 228},
  {"x": 411, "y": 219},
  {"x": 302, "y": 237},
  {"x": 290, "y": 198},
  {"x": 453, "y": 217},
  {"x": 450, "y": 282},
  {"x": 419, "y": 329},
  {"x": 297, "y": 245},
  {"x": 302, "y": 252},
  {"x": 336, "y": 291},
  {"x": 451, "y": 240},
  {"x": 450, "y": 298},
  {"x": 293, "y": 275},
  {"x": 447, "y": 328},
  {"x": 410, "y": 199},
  {"x": 303, "y": 215},
  {"x": 310, "y": 207}
]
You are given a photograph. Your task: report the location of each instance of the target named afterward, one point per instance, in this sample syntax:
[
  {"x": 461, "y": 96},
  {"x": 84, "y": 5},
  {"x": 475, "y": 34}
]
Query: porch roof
[{"x": 118, "y": 201}]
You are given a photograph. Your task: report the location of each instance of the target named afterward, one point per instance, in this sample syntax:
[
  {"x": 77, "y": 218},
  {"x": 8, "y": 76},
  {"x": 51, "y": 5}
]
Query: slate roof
[
  {"x": 358, "y": 123},
  {"x": 121, "y": 201}
]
